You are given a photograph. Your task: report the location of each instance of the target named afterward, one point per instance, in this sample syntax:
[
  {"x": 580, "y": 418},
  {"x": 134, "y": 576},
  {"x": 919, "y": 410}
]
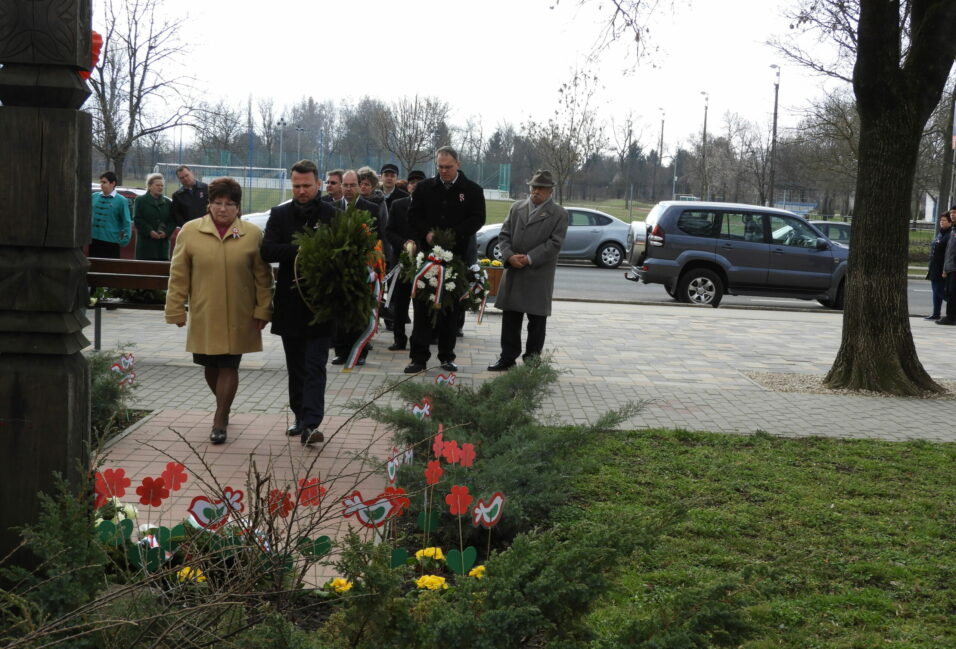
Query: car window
[
  {"x": 698, "y": 223},
  {"x": 792, "y": 232},
  {"x": 839, "y": 233},
  {"x": 742, "y": 227},
  {"x": 579, "y": 218},
  {"x": 600, "y": 219}
]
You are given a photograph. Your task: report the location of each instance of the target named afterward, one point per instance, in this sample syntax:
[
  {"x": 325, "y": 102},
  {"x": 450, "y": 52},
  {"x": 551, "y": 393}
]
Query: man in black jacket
[
  {"x": 448, "y": 201},
  {"x": 191, "y": 200},
  {"x": 306, "y": 345},
  {"x": 389, "y": 188},
  {"x": 397, "y": 233}
]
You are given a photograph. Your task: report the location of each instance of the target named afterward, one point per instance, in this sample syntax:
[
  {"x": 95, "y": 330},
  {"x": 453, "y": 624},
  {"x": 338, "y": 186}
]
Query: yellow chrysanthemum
[
  {"x": 478, "y": 572},
  {"x": 484, "y": 261},
  {"x": 191, "y": 574},
  {"x": 431, "y": 582},
  {"x": 497, "y": 264},
  {"x": 431, "y": 553},
  {"x": 340, "y": 585}
]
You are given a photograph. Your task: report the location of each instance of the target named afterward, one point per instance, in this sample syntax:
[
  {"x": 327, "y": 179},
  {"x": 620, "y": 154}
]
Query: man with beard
[{"x": 306, "y": 345}]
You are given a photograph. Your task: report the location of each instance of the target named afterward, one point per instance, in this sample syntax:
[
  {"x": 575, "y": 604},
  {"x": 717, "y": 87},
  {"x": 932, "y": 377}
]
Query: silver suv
[{"x": 701, "y": 250}]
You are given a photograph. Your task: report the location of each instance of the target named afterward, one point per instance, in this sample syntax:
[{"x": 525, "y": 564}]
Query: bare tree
[
  {"x": 267, "y": 132},
  {"x": 408, "y": 127},
  {"x": 218, "y": 129},
  {"x": 627, "y": 145},
  {"x": 573, "y": 133},
  {"x": 134, "y": 93}
]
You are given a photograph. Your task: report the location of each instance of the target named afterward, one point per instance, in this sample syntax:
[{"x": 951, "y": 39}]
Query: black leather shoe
[
  {"x": 448, "y": 366},
  {"x": 460, "y": 334},
  {"x": 217, "y": 436},
  {"x": 414, "y": 368},
  {"x": 931, "y": 317},
  {"x": 501, "y": 365},
  {"x": 338, "y": 360},
  {"x": 311, "y": 435},
  {"x": 946, "y": 321},
  {"x": 396, "y": 347},
  {"x": 292, "y": 431}
]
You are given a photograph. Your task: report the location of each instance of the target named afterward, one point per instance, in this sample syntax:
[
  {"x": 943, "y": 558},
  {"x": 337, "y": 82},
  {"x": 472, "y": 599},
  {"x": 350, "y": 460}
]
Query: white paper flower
[
  {"x": 450, "y": 286},
  {"x": 420, "y": 284},
  {"x": 130, "y": 511},
  {"x": 433, "y": 281},
  {"x": 474, "y": 268}
]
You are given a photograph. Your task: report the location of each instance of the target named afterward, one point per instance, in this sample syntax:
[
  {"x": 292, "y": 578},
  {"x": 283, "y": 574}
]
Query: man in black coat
[
  {"x": 397, "y": 233},
  {"x": 448, "y": 201},
  {"x": 343, "y": 340},
  {"x": 306, "y": 345},
  {"x": 191, "y": 200},
  {"x": 389, "y": 188}
]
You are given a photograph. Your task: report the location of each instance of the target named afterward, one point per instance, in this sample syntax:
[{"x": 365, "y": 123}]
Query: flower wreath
[{"x": 438, "y": 278}]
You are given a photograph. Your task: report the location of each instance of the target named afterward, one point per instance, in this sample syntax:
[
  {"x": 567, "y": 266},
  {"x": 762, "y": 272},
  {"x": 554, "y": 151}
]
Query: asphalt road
[{"x": 580, "y": 282}]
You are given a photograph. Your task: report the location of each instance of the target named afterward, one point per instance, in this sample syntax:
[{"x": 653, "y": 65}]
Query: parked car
[
  {"x": 636, "y": 237},
  {"x": 835, "y": 231},
  {"x": 592, "y": 235},
  {"x": 701, "y": 250}
]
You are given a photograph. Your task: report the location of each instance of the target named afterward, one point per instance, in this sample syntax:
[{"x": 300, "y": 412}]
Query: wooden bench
[{"x": 126, "y": 274}]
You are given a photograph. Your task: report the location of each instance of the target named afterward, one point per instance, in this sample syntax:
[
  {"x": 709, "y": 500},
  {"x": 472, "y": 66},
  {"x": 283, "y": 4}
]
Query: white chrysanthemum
[
  {"x": 450, "y": 286},
  {"x": 438, "y": 251},
  {"x": 433, "y": 281},
  {"x": 431, "y": 272},
  {"x": 420, "y": 257},
  {"x": 420, "y": 284},
  {"x": 474, "y": 268},
  {"x": 130, "y": 511},
  {"x": 447, "y": 256}
]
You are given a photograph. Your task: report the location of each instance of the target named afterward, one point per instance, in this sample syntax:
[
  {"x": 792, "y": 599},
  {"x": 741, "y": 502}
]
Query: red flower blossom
[
  {"x": 310, "y": 492},
  {"x": 398, "y": 499},
  {"x": 174, "y": 476},
  {"x": 109, "y": 483},
  {"x": 438, "y": 445},
  {"x": 458, "y": 500},
  {"x": 279, "y": 503},
  {"x": 467, "y": 454},
  {"x": 152, "y": 492},
  {"x": 451, "y": 452},
  {"x": 434, "y": 472}
]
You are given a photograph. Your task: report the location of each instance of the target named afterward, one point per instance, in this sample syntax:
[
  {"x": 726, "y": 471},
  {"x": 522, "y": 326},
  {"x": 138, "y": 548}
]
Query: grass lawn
[
  {"x": 498, "y": 210},
  {"x": 811, "y": 542}
]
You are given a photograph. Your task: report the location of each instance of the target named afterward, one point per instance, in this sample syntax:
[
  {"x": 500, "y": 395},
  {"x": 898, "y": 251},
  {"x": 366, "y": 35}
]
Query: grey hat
[{"x": 541, "y": 178}]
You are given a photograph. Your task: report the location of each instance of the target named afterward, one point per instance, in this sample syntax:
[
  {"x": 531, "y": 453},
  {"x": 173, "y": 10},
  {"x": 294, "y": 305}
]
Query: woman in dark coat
[
  {"x": 153, "y": 219},
  {"x": 937, "y": 254}
]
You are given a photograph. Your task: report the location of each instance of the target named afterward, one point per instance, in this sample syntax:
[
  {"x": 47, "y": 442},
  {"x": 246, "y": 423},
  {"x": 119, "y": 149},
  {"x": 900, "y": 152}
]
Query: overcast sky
[{"x": 500, "y": 60}]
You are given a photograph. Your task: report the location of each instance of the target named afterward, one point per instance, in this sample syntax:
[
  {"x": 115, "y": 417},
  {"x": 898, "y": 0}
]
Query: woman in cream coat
[{"x": 217, "y": 269}]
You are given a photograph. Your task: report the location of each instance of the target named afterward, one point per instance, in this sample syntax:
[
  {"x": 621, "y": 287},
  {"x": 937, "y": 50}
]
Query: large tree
[
  {"x": 135, "y": 91},
  {"x": 409, "y": 127},
  {"x": 902, "y": 54}
]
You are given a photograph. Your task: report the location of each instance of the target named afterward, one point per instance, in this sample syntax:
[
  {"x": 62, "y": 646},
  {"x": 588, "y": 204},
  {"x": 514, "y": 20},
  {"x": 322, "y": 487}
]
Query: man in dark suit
[
  {"x": 449, "y": 201},
  {"x": 397, "y": 233},
  {"x": 191, "y": 200},
  {"x": 343, "y": 340},
  {"x": 306, "y": 345}
]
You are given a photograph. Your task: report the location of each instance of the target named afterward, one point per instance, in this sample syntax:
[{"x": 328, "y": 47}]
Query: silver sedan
[{"x": 592, "y": 235}]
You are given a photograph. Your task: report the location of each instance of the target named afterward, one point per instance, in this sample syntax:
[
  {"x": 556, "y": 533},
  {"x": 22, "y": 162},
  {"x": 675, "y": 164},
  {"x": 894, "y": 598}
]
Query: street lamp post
[
  {"x": 282, "y": 124},
  {"x": 773, "y": 137},
  {"x": 703, "y": 149},
  {"x": 660, "y": 155}
]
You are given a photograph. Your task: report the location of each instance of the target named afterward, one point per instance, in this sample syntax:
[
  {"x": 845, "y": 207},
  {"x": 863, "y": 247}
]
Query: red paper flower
[
  {"x": 109, "y": 483},
  {"x": 310, "y": 492},
  {"x": 458, "y": 500},
  {"x": 467, "y": 454},
  {"x": 451, "y": 452},
  {"x": 438, "y": 445},
  {"x": 434, "y": 472},
  {"x": 152, "y": 492},
  {"x": 174, "y": 476},
  {"x": 399, "y": 501},
  {"x": 279, "y": 503}
]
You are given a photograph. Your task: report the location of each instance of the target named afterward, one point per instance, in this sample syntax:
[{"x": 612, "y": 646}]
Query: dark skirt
[{"x": 218, "y": 360}]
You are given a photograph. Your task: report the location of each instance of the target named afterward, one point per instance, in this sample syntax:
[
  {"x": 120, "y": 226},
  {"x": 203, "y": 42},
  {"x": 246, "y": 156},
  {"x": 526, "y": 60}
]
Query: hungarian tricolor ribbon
[
  {"x": 478, "y": 286},
  {"x": 371, "y": 327}
]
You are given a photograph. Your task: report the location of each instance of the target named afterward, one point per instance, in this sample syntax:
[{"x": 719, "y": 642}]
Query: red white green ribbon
[
  {"x": 372, "y": 325},
  {"x": 478, "y": 286},
  {"x": 433, "y": 262}
]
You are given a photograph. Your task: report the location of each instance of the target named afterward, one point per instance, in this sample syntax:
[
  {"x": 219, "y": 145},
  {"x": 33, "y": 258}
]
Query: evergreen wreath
[{"x": 333, "y": 269}]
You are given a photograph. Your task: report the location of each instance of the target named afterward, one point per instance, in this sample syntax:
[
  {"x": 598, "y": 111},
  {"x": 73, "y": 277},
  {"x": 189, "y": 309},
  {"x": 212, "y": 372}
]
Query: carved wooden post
[{"x": 44, "y": 221}]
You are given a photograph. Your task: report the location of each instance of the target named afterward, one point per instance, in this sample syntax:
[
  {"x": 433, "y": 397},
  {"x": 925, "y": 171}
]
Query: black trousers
[
  {"x": 104, "y": 249},
  {"x": 511, "y": 335},
  {"x": 951, "y": 296},
  {"x": 305, "y": 360},
  {"x": 446, "y": 329},
  {"x": 401, "y": 297}
]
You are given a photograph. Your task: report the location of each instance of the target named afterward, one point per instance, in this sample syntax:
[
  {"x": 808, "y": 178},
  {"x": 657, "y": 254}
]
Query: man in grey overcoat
[{"x": 530, "y": 240}]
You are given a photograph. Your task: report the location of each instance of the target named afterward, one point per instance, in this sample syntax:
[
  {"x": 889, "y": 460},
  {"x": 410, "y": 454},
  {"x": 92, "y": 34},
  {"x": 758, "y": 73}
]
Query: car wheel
[
  {"x": 670, "y": 291},
  {"x": 700, "y": 286},
  {"x": 494, "y": 250},
  {"x": 610, "y": 255}
]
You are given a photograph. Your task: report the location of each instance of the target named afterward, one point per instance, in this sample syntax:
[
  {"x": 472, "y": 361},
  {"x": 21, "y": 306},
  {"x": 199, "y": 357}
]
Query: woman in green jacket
[{"x": 152, "y": 216}]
